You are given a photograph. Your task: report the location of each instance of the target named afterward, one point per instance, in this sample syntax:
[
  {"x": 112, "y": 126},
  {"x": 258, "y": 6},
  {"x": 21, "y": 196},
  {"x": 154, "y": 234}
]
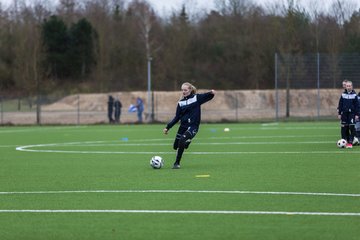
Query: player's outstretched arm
[{"x": 166, "y": 131}]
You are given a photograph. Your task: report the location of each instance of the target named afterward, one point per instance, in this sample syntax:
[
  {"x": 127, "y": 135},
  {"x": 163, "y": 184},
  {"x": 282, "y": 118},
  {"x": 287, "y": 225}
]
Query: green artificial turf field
[{"x": 257, "y": 181}]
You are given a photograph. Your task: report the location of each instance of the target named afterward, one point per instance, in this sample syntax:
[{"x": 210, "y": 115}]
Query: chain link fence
[
  {"x": 306, "y": 83},
  {"x": 313, "y": 71},
  {"x": 305, "y": 86}
]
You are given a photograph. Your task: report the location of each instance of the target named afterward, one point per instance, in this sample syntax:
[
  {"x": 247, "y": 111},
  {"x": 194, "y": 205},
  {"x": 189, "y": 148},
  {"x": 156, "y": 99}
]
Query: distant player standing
[
  {"x": 357, "y": 126},
  {"x": 188, "y": 112},
  {"x": 348, "y": 113},
  {"x": 344, "y": 90}
]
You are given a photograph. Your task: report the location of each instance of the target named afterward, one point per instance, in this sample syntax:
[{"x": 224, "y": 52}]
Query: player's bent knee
[
  {"x": 176, "y": 144},
  {"x": 182, "y": 142},
  {"x": 185, "y": 140}
]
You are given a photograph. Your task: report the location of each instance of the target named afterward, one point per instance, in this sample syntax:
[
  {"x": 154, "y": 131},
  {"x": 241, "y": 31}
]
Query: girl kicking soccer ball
[{"x": 188, "y": 112}]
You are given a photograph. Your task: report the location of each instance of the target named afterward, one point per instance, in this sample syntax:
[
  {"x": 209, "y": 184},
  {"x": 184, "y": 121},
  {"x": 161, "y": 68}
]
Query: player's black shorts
[
  {"x": 188, "y": 132},
  {"x": 348, "y": 119}
]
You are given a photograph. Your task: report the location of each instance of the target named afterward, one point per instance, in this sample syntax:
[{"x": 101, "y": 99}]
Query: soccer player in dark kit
[
  {"x": 188, "y": 112},
  {"x": 348, "y": 113}
]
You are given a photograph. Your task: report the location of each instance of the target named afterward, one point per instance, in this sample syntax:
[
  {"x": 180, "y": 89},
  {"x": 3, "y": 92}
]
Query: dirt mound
[
  {"x": 226, "y": 106},
  {"x": 224, "y": 100}
]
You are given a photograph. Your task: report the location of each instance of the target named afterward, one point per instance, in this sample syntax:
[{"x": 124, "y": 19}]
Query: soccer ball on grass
[
  {"x": 341, "y": 143},
  {"x": 156, "y": 162}
]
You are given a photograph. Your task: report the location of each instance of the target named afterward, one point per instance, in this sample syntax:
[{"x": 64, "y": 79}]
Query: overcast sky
[
  {"x": 165, "y": 6},
  {"x": 161, "y": 5}
]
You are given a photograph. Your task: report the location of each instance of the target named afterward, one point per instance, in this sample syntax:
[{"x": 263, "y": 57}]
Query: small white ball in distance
[
  {"x": 156, "y": 162},
  {"x": 226, "y": 129}
]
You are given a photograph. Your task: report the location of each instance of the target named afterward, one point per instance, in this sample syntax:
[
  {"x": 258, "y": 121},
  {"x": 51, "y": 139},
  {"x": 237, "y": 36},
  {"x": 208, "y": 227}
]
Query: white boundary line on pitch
[
  {"x": 189, "y": 153},
  {"x": 167, "y": 144},
  {"x": 180, "y": 212},
  {"x": 187, "y": 191},
  {"x": 27, "y": 148}
]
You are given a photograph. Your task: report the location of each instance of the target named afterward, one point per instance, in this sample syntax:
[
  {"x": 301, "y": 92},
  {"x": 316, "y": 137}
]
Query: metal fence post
[
  {"x": 78, "y": 109},
  {"x": 2, "y": 111},
  {"x": 318, "y": 85},
  {"x": 276, "y": 89},
  {"x": 237, "y": 107},
  {"x": 38, "y": 109}
]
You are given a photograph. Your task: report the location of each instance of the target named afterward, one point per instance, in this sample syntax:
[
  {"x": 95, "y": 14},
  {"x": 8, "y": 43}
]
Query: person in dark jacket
[
  {"x": 344, "y": 90},
  {"x": 188, "y": 112},
  {"x": 111, "y": 109},
  {"x": 348, "y": 113},
  {"x": 117, "y": 106}
]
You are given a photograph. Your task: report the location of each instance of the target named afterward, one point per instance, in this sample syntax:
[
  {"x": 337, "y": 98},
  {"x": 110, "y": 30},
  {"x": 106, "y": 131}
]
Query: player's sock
[
  {"x": 352, "y": 133},
  {"x": 176, "y": 142},
  {"x": 345, "y": 132},
  {"x": 179, "y": 154},
  {"x": 182, "y": 145}
]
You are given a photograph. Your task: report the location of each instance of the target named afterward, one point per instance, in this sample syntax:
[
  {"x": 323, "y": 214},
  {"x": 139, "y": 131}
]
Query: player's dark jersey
[
  {"x": 188, "y": 110},
  {"x": 348, "y": 103}
]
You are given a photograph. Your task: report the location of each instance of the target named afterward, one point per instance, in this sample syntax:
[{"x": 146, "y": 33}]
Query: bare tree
[
  {"x": 175, "y": 57},
  {"x": 28, "y": 51},
  {"x": 67, "y": 9},
  {"x": 339, "y": 13},
  {"x": 342, "y": 10},
  {"x": 233, "y": 7},
  {"x": 98, "y": 12},
  {"x": 146, "y": 20},
  {"x": 6, "y": 51}
]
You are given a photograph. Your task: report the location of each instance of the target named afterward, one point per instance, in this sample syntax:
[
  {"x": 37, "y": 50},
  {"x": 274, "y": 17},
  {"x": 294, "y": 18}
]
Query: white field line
[
  {"x": 189, "y": 153},
  {"x": 241, "y": 137},
  {"x": 187, "y": 191},
  {"x": 210, "y": 138},
  {"x": 179, "y": 212},
  {"x": 30, "y": 148},
  {"x": 198, "y": 143},
  {"x": 144, "y": 141},
  {"x": 292, "y": 128},
  {"x": 263, "y": 127}
]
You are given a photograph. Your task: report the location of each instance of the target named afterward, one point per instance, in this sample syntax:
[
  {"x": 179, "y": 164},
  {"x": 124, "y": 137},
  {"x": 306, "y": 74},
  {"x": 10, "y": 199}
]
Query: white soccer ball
[
  {"x": 341, "y": 143},
  {"x": 156, "y": 162}
]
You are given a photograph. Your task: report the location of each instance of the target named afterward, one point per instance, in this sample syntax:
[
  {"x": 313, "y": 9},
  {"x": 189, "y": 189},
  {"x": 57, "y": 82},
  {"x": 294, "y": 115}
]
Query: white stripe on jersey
[
  {"x": 188, "y": 101},
  {"x": 348, "y": 96}
]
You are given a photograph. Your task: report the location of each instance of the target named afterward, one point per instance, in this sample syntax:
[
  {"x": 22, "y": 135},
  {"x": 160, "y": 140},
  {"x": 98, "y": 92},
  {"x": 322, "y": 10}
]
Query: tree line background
[{"x": 106, "y": 45}]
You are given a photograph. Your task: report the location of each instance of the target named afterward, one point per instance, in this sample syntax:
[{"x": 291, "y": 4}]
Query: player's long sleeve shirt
[
  {"x": 188, "y": 110},
  {"x": 348, "y": 103}
]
